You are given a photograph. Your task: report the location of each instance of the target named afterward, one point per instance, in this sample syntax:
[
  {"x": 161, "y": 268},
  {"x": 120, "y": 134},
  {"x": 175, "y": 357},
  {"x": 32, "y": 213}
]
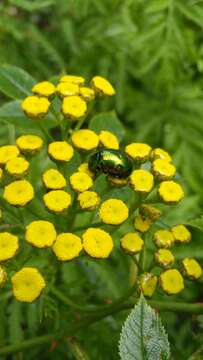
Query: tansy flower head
[
  {"x": 35, "y": 107},
  {"x": 1, "y": 174},
  {"x": 29, "y": 143},
  {"x": 181, "y": 234},
  {"x": 162, "y": 169},
  {"x": 67, "y": 246},
  {"x": 87, "y": 93},
  {"x": 164, "y": 258},
  {"x": 142, "y": 181},
  {"x": 60, "y": 151},
  {"x": 8, "y": 152},
  {"x": 44, "y": 88},
  {"x": 74, "y": 107},
  {"x": 191, "y": 268},
  {"x": 160, "y": 154},
  {"x": 3, "y": 277},
  {"x": 163, "y": 238},
  {"x": 97, "y": 243},
  {"x": 18, "y": 193},
  {"x": 17, "y": 167},
  {"x": 138, "y": 151},
  {"x": 40, "y": 233},
  {"x": 88, "y": 200},
  {"x": 85, "y": 168},
  {"x": 102, "y": 86},
  {"x": 113, "y": 212},
  {"x": 57, "y": 201},
  {"x": 142, "y": 223},
  {"x": 85, "y": 139},
  {"x": 67, "y": 89},
  {"x": 108, "y": 140},
  {"x": 150, "y": 212},
  {"x": 116, "y": 181},
  {"x": 148, "y": 283},
  {"x": 9, "y": 246},
  {"x": 53, "y": 179},
  {"x": 80, "y": 181},
  {"x": 132, "y": 243},
  {"x": 171, "y": 281},
  {"x": 170, "y": 192},
  {"x": 74, "y": 79},
  {"x": 28, "y": 284}
]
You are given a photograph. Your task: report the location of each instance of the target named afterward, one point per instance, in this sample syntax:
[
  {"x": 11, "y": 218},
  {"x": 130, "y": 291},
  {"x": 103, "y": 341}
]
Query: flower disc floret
[
  {"x": 160, "y": 154},
  {"x": 67, "y": 246},
  {"x": 18, "y": 193},
  {"x": 171, "y": 281},
  {"x": 116, "y": 181},
  {"x": 80, "y": 181},
  {"x": 88, "y": 200},
  {"x": 148, "y": 283},
  {"x": 35, "y": 107},
  {"x": 28, "y": 284},
  {"x": 17, "y": 167},
  {"x": 108, "y": 140},
  {"x": 67, "y": 89},
  {"x": 3, "y": 277},
  {"x": 163, "y": 238},
  {"x": 53, "y": 179},
  {"x": 29, "y": 143},
  {"x": 85, "y": 139},
  {"x": 97, "y": 243},
  {"x": 142, "y": 223},
  {"x": 87, "y": 93},
  {"x": 9, "y": 246},
  {"x": 84, "y": 167},
  {"x": 132, "y": 243},
  {"x": 113, "y": 212},
  {"x": 150, "y": 212},
  {"x": 40, "y": 233},
  {"x": 170, "y": 192},
  {"x": 57, "y": 201},
  {"x": 102, "y": 86},
  {"x": 74, "y": 79},
  {"x": 181, "y": 234},
  {"x": 162, "y": 169},
  {"x": 60, "y": 151},
  {"x": 44, "y": 88},
  {"x": 138, "y": 151},
  {"x": 164, "y": 258},
  {"x": 8, "y": 152},
  {"x": 74, "y": 107},
  {"x": 191, "y": 268},
  {"x": 142, "y": 181}
]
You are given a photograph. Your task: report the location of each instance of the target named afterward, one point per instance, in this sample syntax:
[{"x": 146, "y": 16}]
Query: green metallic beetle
[{"x": 112, "y": 162}]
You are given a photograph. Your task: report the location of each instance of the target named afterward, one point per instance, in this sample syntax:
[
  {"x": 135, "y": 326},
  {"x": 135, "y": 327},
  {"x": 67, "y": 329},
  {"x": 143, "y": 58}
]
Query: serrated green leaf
[
  {"x": 143, "y": 337},
  {"x": 108, "y": 121},
  {"x": 32, "y": 6},
  {"x": 197, "y": 223},
  {"x": 15, "y": 82},
  {"x": 157, "y": 5}
]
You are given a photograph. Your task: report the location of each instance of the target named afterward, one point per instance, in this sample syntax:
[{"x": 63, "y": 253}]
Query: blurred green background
[{"x": 152, "y": 51}]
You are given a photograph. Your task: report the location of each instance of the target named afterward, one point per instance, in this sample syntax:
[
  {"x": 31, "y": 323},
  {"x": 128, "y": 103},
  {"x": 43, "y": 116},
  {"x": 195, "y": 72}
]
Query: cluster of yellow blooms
[{"x": 59, "y": 191}]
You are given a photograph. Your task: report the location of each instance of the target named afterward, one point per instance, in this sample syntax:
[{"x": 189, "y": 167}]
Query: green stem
[{"x": 44, "y": 131}]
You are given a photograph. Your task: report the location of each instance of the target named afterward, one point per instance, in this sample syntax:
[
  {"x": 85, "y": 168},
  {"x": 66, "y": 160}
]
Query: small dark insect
[{"x": 112, "y": 162}]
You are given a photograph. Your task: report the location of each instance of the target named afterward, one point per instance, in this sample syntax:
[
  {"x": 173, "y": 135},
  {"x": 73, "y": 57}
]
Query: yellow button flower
[
  {"x": 89, "y": 200},
  {"x": 85, "y": 139},
  {"x": 102, "y": 86},
  {"x": 28, "y": 284},
  {"x": 108, "y": 140},
  {"x": 60, "y": 151},
  {"x": 80, "y": 181},
  {"x": 164, "y": 258},
  {"x": 171, "y": 281},
  {"x": 44, "y": 88},
  {"x": 163, "y": 169},
  {"x": 17, "y": 167},
  {"x": 29, "y": 143},
  {"x": 148, "y": 283},
  {"x": 85, "y": 168},
  {"x": 116, "y": 181},
  {"x": 9, "y": 246},
  {"x": 67, "y": 246},
  {"x": 87, "y": 93},
  {"x": 8, "y": 152},
  {"x": 57, "y": 201},
  {"x": 160, "y": 154},
  {"x": 150, "y": 212},
  {"x": 181, "y": 234},
  {"x": 3, "y": 277},
  {"x": 132, "y": 243},
  {"x": 40, "y": 233},
  {"x": 97, "y": 243},
  {"x": 170, "y": 192},
  {"x": 53, "y": 179},
  {"x": 1, "y": 174},
  {"x": 67, "y": 89},
  {"x": 113, "y": 212},
  {"x": 74, "y": 107},
  {"x": 191, "y": 268},
  {"x": 35, "y": 107},
  {"x": 18, "y": 193},
  {"x": 138, "y": 151},
  {"x": 142, "y": 223},
  {"x": 163, "y": 238},
  {"x": 74, "y": 79},
  {"x": 142, "y": 181}
]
